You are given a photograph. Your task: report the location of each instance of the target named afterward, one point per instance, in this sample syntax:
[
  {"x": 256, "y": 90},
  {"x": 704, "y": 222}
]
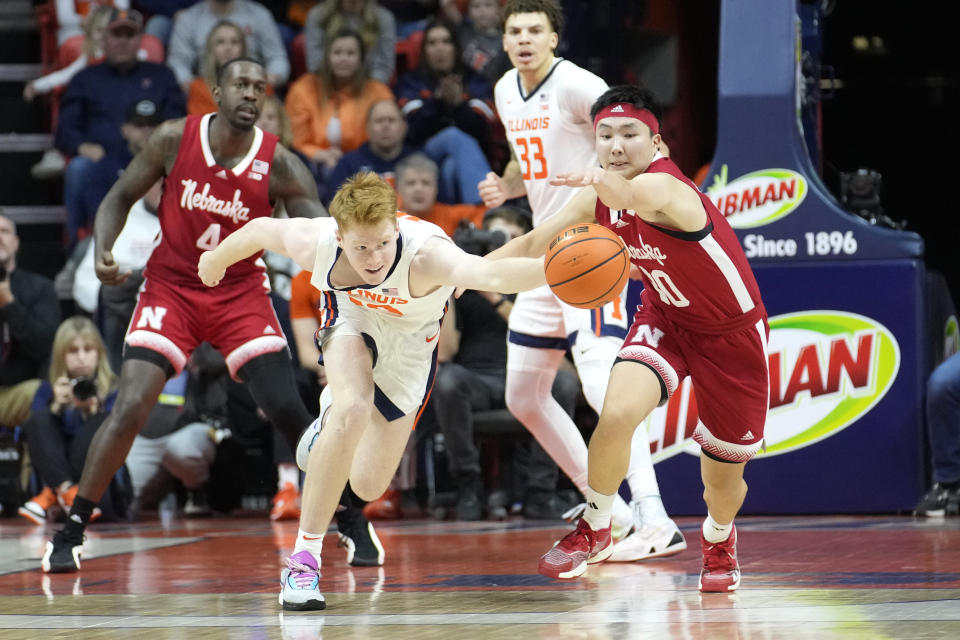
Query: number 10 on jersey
[{"x": 532, "y": 160}]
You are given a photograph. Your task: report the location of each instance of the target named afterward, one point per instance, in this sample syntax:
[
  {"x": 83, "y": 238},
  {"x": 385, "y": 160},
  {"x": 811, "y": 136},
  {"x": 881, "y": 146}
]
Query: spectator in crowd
[
  {"x": 114, "y": 304},
  {"x": 70, "y": 15},
  {"x": 482, "y": 40},
  {"x": 305, "y": 319},
  {"x": 328, "y": 107},
  {"x": 412, "y": 15},
  {"x": 943, "y": 421},
  {"x": 52, "y": 163},
  {"x": 160, "y": 15},
  {"x": 457, "y": 154},
  {"x": 191, "y": 27},
  {"x": 472, "y": 377},
  {"x": 177, "y": 441},
  {"x": 95, "y": 106},
  {"x": 376, "y": 26},
  {"x": 29, "y": 315},
  {"x": 141, "y": 119},
  {"x": 417, "y": 189},
  {"x": 225, "y": 42},
  {"x": 275, "y": 119},
  {"x": 68, "y": 408},
  {"x": 443, "y": 92}
]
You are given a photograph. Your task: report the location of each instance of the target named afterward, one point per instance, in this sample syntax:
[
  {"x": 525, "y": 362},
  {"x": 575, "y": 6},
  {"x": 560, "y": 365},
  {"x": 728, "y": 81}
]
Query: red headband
[{"x": 625, "y": 110}]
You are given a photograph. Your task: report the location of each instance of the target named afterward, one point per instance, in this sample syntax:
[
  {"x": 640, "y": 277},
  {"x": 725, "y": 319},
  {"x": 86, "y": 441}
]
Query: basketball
[{"x": 587, "y": 265}]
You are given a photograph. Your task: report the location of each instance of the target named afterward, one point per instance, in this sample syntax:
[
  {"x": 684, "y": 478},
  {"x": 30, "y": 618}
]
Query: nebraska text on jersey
[{"x": 232, "y": 209}]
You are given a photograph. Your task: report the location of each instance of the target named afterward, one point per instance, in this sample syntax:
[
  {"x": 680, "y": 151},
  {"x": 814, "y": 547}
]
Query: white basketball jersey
[
  {"x": 391, "y": 299},
  {"x": 550, "y": 130}
]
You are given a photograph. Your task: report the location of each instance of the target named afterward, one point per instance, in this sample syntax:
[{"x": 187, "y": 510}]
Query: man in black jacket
[{"x": 29, "y": 316}]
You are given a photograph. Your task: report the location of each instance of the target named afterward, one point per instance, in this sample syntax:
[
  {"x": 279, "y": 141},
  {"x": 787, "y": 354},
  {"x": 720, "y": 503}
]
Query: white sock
[
  {"x": 652, "y": 508},
  {"x": 288, "y": 474},
  {"x": 715, "y": 532},
  {"x": 598, "y": 509},
  {"x": 640, "y": 473},
  {"x": 312, "y": 542},
  {"x": 621, "y": 514}
]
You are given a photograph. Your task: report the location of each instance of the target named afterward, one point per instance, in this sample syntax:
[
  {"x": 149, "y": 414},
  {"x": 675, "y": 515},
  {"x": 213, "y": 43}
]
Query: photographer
[
  {"x": 29, "y": 314},
  {"x": 472, "y": 377},
  {"x": 67, "y": 410}
]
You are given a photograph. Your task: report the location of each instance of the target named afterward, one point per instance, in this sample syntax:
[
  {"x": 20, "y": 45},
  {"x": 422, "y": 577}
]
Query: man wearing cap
[{"x": 95, "y": 105}]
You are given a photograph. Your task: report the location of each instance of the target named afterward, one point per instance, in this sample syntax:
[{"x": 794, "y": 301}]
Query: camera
[
  {"x": 479, "y": 242},
  {"x": 84, "y": 388}
]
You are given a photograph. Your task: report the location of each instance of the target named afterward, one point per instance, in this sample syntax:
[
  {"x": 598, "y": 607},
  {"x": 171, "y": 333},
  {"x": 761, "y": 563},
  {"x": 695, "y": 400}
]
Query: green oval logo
[
  {"x": 827, "y": 369},
  {"x": 758, "y": 198}
]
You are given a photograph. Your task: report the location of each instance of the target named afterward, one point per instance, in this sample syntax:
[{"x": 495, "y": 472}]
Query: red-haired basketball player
[
  {"x": 544, "y": 103},
  {"x": 220, "y": 172},
  {"x": 385, "y": 283},
  {"x": 701, "y": 315}
]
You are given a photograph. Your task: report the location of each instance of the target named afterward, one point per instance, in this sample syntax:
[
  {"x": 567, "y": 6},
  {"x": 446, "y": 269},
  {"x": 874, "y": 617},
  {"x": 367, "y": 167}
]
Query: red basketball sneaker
[
  {"x": 721, "y": 570},
  {"x": 571, "y": 555}
]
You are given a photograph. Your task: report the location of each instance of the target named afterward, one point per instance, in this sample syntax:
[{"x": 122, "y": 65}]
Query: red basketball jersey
[
  {"x": 699, "y": 280},
  {"x": 203, "y": 203}
]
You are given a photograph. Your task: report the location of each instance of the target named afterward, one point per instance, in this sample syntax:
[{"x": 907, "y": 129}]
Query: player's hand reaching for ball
[
  {"x": 582, "y": 178},
  {"x": 209, "y": 270},
  {"x": 492, "y": 190},
  {"x": 108, "y": 271}
]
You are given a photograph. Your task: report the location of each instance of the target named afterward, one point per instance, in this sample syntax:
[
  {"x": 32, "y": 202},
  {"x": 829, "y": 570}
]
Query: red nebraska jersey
[
  {"x": 699, "y": 280},
  {"x": 203, "y": 203}
]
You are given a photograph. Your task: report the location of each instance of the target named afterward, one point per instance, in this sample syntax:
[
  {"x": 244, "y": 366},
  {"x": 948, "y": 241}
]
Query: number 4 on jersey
[{"x": 210, "y": 238}]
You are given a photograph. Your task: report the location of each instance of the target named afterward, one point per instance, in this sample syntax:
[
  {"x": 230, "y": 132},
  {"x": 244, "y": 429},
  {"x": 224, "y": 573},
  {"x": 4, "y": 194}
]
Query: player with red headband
[
  {"x": 544, "y": 103},
  {"x": 701, "y": 316}
]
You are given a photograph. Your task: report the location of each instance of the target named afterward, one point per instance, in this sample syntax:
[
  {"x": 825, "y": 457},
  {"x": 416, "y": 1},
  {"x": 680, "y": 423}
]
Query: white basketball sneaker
[{"x": 650, "y": 538}]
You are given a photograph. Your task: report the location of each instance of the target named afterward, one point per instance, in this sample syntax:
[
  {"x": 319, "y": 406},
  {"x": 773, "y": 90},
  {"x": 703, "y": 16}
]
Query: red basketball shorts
[
  {"x": 729, "y": 373},
  {"x": 172, "y": 321}
]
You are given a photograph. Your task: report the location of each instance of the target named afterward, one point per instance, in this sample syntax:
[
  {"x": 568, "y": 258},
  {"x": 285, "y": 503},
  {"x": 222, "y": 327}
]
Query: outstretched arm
[
  {"x": 292, "y": 182},
  {"x": 534, "y": 243},
  {"x": 294, "y": 237},
  {"x": 144, "y": 170},
  {"x": 440, "y": 262},
  {"x": 655, "y": 197}
]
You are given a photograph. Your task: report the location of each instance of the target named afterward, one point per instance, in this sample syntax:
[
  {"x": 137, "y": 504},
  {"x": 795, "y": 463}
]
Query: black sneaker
[
  {"x": 358, "y": 537},
  {"x": 544, "y": 505},
  {"x": 196, "y": 505},
  {"x": 469, "y": 502},
  {"x": 939, "y": 501},
  {"x": 62, "y": 554}
]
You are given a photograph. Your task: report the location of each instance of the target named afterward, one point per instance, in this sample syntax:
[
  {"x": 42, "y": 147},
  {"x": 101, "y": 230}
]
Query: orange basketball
[{"x": 587, "y": 265}]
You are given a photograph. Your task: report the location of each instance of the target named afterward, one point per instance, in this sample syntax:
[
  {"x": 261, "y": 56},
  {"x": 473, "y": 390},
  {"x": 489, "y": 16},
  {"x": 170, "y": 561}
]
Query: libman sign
[
  {"x": 758, "y": 198},
  {"x": 827, "y": 370}
]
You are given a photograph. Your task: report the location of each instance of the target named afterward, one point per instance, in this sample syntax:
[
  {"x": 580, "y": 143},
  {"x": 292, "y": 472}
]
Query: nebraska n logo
[{"x": 152, "y": 316}]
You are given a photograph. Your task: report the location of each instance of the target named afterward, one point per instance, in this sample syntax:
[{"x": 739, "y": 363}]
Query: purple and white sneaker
[{"x": 301, "y": 584}]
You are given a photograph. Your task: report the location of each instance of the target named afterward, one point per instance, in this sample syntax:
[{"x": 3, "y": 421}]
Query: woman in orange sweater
[{"x": 328, "y": 108}]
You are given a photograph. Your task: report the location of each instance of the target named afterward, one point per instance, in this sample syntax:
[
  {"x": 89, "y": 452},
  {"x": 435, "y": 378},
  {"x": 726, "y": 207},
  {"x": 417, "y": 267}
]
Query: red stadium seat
[
  {"x": 298, "y": 56},
  {"x": 408, "y": 52},
  {"x": 154, "y": 48}
]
